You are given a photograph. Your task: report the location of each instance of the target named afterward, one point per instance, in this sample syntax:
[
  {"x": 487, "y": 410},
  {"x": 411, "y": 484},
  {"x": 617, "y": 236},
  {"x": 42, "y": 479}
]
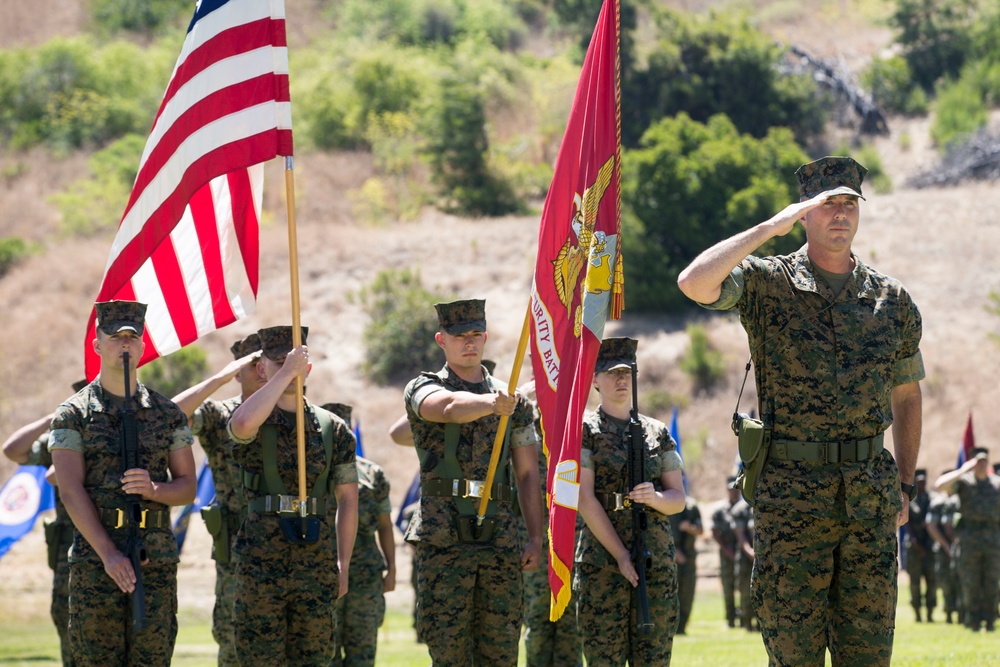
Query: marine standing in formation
[
  {"x": 978, "y": 535},
  {"x": 919, "y": 555},
  {"x": 604, "y": 577},
  {"x": 835, "y": 346},
  {"x": 729, "y": 531},
  {"x": 469, "y": 589},
  {"x": 85, "y": 440},
  {"x": 940, "y": 524},
  {"x": 209, "y": 421},
  {"x": 290, "y": 568},
  {"x": 686, "y": 527},
  {"x": 29, "y": 445}
]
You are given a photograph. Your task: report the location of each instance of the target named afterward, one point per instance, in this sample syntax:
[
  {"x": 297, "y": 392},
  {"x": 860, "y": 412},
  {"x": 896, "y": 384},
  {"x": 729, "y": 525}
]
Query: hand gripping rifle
[
  {"x": 135, "y": 550},
  {"x": 641, "y": 558}
]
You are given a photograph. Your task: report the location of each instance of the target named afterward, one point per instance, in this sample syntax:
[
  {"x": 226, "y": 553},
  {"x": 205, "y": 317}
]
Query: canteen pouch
[
  {"x": 470, "y": 532},
  {"x": 754, "y": 443},
  {"x": 217, "y": 526},
  {"x": 300, "y": 530},
  {"x": 52, "y": 531}
]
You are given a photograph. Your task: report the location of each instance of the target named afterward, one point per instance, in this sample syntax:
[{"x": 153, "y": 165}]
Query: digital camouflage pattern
[
  {"x": 687, "y": 572},
  {"x": 742, "y": 518},
  {"x": 342, "y": 410},
  {"x": 615, "y": 353},
  {"x": 99, "y": 611},
  {"x": 58, "y": 539},
  {"x": 920, "y": 562},
  {"x": 468, "y": 595},
  {"x": 360, "y": 612},
  {"x": 245, "y": 346},
  {"x": 459, "y": 317},
  {"x": 113, "y": 316},
  {"x": 825, "y": 365},
  {"x": 978, "y": 534},
  {"x": 606, "y": 603},
  {"x": 276, "y": 342},
  {"x": 285, "y": 593},
  {"x": 941, "y": 513},
  {"x": 210, "y": 424},
  {"x": 724, "y": 528},
  {"x": 839, "y": 175}
]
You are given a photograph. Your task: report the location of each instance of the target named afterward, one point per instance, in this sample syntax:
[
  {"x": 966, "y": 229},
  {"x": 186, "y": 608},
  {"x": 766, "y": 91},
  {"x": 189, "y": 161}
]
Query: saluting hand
[{"x": 785, "y": 220}]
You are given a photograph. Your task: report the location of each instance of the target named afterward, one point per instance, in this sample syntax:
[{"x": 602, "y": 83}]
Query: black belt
[
  {"x": 827, "y": 452},
  {"x": 463, "y": 488},
  {"x": 614, "y": 502},
  {"x": 115, "y": 518},
  {"x": 276, "y": 504}
]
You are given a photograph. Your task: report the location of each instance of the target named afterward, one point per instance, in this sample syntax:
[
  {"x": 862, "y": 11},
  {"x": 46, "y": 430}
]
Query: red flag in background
[
  {"x": 968, "y": 443},
  {"x": 187, "y": 244},
  {"x": 577, "y": 283}
]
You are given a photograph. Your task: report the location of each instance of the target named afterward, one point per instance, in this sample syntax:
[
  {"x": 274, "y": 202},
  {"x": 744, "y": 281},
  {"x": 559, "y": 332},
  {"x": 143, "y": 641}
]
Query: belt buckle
[
  {"x": 622, "y": 501},
  {"x": 474, "y": 488},
  {"x": 142, "y": 519},
  {"x": 121, "y": 518}
]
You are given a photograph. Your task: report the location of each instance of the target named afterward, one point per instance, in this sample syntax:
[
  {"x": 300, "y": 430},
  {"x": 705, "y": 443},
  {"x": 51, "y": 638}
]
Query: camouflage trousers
[
  {"x": 687, "y": 578},
  {"x": 222, "y": 614},
  {"x": 947, "y": 580},
  {"x": 547, "y": 643},
  {"x": 359, "y": 616},
  {"x": 100, "y": 617},
  {"x": 979, "y": 570},
  {"x": 469, "y": 605},
  {"x": 59, "y": 610},
  {"x": 727, "y": 575},
  {"x": 825, "y": 582},
  {"x": 607, "y": 615},
  {"x": 744, "y": 575},
  {"x": 920, "y": 566},
  {"x": 284, "y": 613}
]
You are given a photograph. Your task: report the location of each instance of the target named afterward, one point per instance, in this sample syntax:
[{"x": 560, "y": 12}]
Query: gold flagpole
[
  {"x": 502, "y": 428},
  {"x": 293, "y": 265}
]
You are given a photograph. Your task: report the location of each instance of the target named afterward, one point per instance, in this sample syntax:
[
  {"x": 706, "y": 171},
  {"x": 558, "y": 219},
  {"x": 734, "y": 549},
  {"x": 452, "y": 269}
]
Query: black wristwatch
[{"x": 909, "y": 489}]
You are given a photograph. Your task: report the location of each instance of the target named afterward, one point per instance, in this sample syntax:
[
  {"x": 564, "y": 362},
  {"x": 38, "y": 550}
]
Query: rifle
[
  {"x": 641, "y": 558},
  {"x": 135, "y": 550}
]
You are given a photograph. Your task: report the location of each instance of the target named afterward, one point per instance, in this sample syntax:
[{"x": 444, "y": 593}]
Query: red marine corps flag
[
  {"x": 578, "y": 283},
  {"x": 187, "y": 244}
]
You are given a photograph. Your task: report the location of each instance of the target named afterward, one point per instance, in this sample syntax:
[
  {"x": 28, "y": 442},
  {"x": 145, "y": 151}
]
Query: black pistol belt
[
  {"x": 848, "y": 451},
  {"x": 116, "y": 518},
  {"x": 279, "y": 504},
  {"x": 463, "y": 488},
  {"x": 614, "y": 502}
]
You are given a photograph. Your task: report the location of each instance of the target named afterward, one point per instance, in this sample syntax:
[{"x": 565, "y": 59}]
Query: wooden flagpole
[{"x": 293, "y": 265}]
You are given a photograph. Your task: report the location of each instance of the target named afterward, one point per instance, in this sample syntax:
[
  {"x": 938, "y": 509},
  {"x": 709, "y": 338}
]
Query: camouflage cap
[
  {"x": 459, "y": 317},
  {"x": 276, "y": 342},
  {"x": 616, "y": 353},
  {"x": 245, "y": 346},
  {"x": 490, "y": 365},
  {"x": 836, "y": 175},
  {"x": 79, "y": 384},
  {"x": 115, "y": 316},
  {"x": 980, "y": 453},
  {"x": 342, "y": 410}
]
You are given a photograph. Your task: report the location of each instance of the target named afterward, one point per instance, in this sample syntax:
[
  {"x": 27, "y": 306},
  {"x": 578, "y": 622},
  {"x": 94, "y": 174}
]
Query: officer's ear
[{"x": 439, "y": 339}]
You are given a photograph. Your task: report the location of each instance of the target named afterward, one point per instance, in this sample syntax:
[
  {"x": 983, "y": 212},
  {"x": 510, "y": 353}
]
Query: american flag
[{"x": 187, "y": 244}]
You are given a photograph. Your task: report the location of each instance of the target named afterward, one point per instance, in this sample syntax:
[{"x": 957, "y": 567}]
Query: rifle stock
[
  {"x": 135, "y": 550},
  {"x": 641, "y": 557}
]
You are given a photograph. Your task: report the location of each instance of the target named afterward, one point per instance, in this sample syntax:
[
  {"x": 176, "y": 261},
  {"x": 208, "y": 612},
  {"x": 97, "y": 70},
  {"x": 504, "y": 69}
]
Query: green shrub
[
  {"x": 400, "y": 335},
  {"x": 876, "y": 180},
  {"x": 145, "y": 16},
  {"x": 690, "y": 185},
  {"x": 893, "y": 88},
  {"x": 960, "y": 111},
  {"x": 701, "y": 361},
  {"x": 12, "y": 251},
  {"x": 936, "y": 37},
  {"x": 172, "y": 374}
]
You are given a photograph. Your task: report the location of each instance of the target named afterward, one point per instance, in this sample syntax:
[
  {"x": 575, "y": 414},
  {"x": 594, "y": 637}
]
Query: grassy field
[{"x": 708, "y": 642}]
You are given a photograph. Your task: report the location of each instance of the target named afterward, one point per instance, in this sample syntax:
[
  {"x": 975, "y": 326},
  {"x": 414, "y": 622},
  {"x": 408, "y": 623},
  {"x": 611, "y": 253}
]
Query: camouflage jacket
[
  {"x": 916, "y": 527},
  {"x": 94, "y": 417},
  {"x": 260, "y": 538},
  {"x": 435, "y": 519},
  {"x": 825, "y": 366},
  {"x": 373, "y": 501},
  {"x": 604, "y": 449},
  {"x": 210, "y": 426},
  {"x": 685, "y": 542},
  {"x": 727, "y": 518},
  {"x": 979, "y": 501}
]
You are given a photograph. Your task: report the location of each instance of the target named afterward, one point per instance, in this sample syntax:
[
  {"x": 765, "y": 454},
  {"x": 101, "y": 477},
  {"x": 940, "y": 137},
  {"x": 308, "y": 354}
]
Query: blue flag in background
[
  {"x": 205, "y": 495},
  {"x": 412, "y": 496},
  {"x": 358, "y": 449},
  {"x": 676, "y": 435},
  {"x": 25, "y": 495}
]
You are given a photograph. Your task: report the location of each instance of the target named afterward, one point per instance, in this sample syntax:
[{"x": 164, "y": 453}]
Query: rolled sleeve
[
  {"x": 523, "y": 436},
  {"x": 345, "y": 473},
  {"x": 909, "y": 370},
  {"x": 587, "y": 459},
  {"x": 422, "y": 392},
  {"x": 238, "y": 441},
  {"x": 66, "y": 438},
  {"x": 732, "y": 290},
  {"x": 182, "y": 438},
  {"x": 670, "y": 461}
]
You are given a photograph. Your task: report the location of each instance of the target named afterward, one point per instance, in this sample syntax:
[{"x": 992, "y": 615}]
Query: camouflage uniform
[
  {"x": 941, "y": 513},
  {"x": 687, "y": 573},
  {"x": 920, "y": 557},
  {"x": 743, "y": 518},
  {"x": 285, "y": 593},
  {"x": 724, "y": 528},
  {"x": 978, "y": 533},
  {"x": 469, "y": 596},
  {"x": 100, "y": 617},
  {"x": 360, "y": 612},
  {"x": 547, "y": 643},
  {"x": 825, "y": 365},
  {"x": 606, "y": 603},
  {"x": 58, "y": 538}
]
